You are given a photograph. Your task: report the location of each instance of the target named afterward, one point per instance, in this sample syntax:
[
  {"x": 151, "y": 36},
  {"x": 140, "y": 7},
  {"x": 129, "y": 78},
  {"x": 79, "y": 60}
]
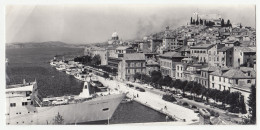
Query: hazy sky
[{"x": 96, "y": 23}]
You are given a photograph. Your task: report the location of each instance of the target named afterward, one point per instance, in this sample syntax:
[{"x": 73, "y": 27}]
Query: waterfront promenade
[{"x": 155, "y": 102}]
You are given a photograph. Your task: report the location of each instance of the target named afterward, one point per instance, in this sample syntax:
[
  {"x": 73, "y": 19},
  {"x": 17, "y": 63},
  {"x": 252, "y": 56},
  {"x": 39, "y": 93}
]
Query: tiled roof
[
  {"x": 172, "y": 54},
  {"x": 217, "y": 72},
  {"x": 184, "y": 48},
  {"x": 210, "y": 68},
  {"x": 123, "y": 47},
  {"x": 152, "y": 62},
  {"x": 224, "y": 49},
  {"x": 236, "y": 73},
  {"x": 134, "y": 56},
  {"x": 246, "y": 49},
  {"x": 203, "y": 46}
]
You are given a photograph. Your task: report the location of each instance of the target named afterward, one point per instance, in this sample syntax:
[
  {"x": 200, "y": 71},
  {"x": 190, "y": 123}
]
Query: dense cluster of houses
[{"x": 217, "y": 57}]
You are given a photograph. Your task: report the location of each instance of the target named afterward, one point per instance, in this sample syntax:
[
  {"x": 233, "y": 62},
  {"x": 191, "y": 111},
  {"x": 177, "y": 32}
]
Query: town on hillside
[{"x": 217, "y": 56}]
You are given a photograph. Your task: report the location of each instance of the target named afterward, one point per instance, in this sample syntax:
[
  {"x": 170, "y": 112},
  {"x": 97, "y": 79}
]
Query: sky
[{"x": 95, "y": 23}]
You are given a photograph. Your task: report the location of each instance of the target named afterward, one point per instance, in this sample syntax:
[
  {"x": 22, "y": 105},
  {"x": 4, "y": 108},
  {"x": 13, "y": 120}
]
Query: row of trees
[
  {"x": 228, "y": 24},
  {"x": 197, "y": 22},
  {"x": 88, "y": 60},
  {"x": 210, "y": 23},
  {"x": 198, "y": 91}
]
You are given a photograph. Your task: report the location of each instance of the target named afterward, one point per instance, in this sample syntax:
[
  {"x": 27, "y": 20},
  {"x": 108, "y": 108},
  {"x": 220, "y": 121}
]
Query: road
[{"x": 222, "y": 114}]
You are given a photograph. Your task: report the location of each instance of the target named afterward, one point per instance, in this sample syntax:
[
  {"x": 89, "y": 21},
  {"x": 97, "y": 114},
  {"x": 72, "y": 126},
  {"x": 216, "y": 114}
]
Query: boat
[
  {"x": 53, "y": 63},
  {"x": 127, "y": 100},
  {"x": 25, "y": 106},
  {"x": 81, "y": 76},
  {"x": 61, "y": 67}
]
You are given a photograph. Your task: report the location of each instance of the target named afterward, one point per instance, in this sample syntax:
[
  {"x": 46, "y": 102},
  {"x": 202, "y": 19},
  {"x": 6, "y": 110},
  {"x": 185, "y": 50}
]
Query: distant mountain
[{"x": 48, "y": 44}]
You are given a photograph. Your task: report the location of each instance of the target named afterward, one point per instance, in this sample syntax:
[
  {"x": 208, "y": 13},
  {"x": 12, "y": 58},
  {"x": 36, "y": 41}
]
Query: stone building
[
  {"x": 244, "y": 55},
  {"x": 168, "y": 62},
  {"x": 130, "y": 65}
]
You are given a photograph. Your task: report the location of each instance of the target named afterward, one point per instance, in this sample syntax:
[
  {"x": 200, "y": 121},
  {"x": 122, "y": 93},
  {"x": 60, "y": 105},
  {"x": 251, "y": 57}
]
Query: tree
[
  {"x": 183, "y": 85},
  {"x": 58, "y": 120},
  {"x": 252, "y": 104},
  {"x": 198, "y": 89},
  {"x": 189, "y": 86},
  {"x": 167, "y": 79},
  {"x": 146, "y": 78},
  {"x": 155, "y": 76},
  {"x": 228, "y": 23},
  {"x": 222, "y": 23},
  {"x": 201, "y": 22},
  {"x": 137, "y": 76},
  {"x": 191, "y": 20},
  {"x": 96, "y": 60},
  {"x": 242, "y": 105},
  {"x": 197, "y": 22}
]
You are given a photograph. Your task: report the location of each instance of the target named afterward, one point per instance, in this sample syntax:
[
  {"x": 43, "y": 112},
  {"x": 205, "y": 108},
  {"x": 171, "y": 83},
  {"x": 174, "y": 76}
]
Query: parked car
[
  {"x": 179, "y": 96},
  {"x": 130, "y": 85},
  {"x": 141, "y": 90},
  {"x": 148, "y": 86}
]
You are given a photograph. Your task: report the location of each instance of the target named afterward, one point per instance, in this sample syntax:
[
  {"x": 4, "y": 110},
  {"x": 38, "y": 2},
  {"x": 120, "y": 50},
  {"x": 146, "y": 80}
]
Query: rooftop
[
  {"x": 210, "y": 68},
  {"x": 172, "y": 54},
  {"x": 237, "y": 74},
  {"x": 224, "y": 49},
  {"x": 202, "y": 46},
  {"x": 246, "y": 49},
  {"x": 134, "y": 56},
  {"x": 152, "y": 62},
  {"x": 123, "y": 47},
  {"x": 20, "y": 88}
]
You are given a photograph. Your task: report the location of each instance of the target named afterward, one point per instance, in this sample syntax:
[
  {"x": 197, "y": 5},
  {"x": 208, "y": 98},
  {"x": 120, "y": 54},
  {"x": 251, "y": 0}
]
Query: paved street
[
  {"x": 155, "y": 102},
  {"x": 222, "y": 113}
]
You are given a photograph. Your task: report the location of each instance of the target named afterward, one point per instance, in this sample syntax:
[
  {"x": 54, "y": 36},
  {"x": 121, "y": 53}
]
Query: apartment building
[{"x": 131, "y": 64}]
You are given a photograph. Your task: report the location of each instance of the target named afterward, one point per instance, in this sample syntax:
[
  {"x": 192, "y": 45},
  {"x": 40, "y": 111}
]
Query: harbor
[
  {"x": 114, "y": 64},
  {"x": 148, "y": 99}
]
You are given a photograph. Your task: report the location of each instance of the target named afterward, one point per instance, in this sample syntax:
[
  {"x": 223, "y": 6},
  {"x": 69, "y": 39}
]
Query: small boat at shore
[{"x": 127, "y": 100}]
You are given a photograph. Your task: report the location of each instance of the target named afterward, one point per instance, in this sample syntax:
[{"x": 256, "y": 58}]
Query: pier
[{"x": 154, "y": 101}]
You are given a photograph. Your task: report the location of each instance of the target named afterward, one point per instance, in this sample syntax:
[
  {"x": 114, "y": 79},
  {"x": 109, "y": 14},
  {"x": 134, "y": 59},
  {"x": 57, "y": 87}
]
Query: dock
[{"x": 155, "y": 102}]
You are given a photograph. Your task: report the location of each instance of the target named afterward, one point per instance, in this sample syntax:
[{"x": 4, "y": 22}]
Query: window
[
  {"x": 177, "y": 67},
  {"x": 212, "y": 85},
  {"x": 209, "y": 58},
  {"x": 12, "y": 104},
  {"x": 24, "y": 103},
  {"x": 212, "y": 78},
  {"x": 219, "y": 87},
  {"x": 28, "y": 93},
  {"x": 236, "y": 81},
  {"x": 224, "y": 80},
  {"x": 248, "y": 81},
  {"x": 210, "y": 52},
  {"x": 220, "y": 79}
]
